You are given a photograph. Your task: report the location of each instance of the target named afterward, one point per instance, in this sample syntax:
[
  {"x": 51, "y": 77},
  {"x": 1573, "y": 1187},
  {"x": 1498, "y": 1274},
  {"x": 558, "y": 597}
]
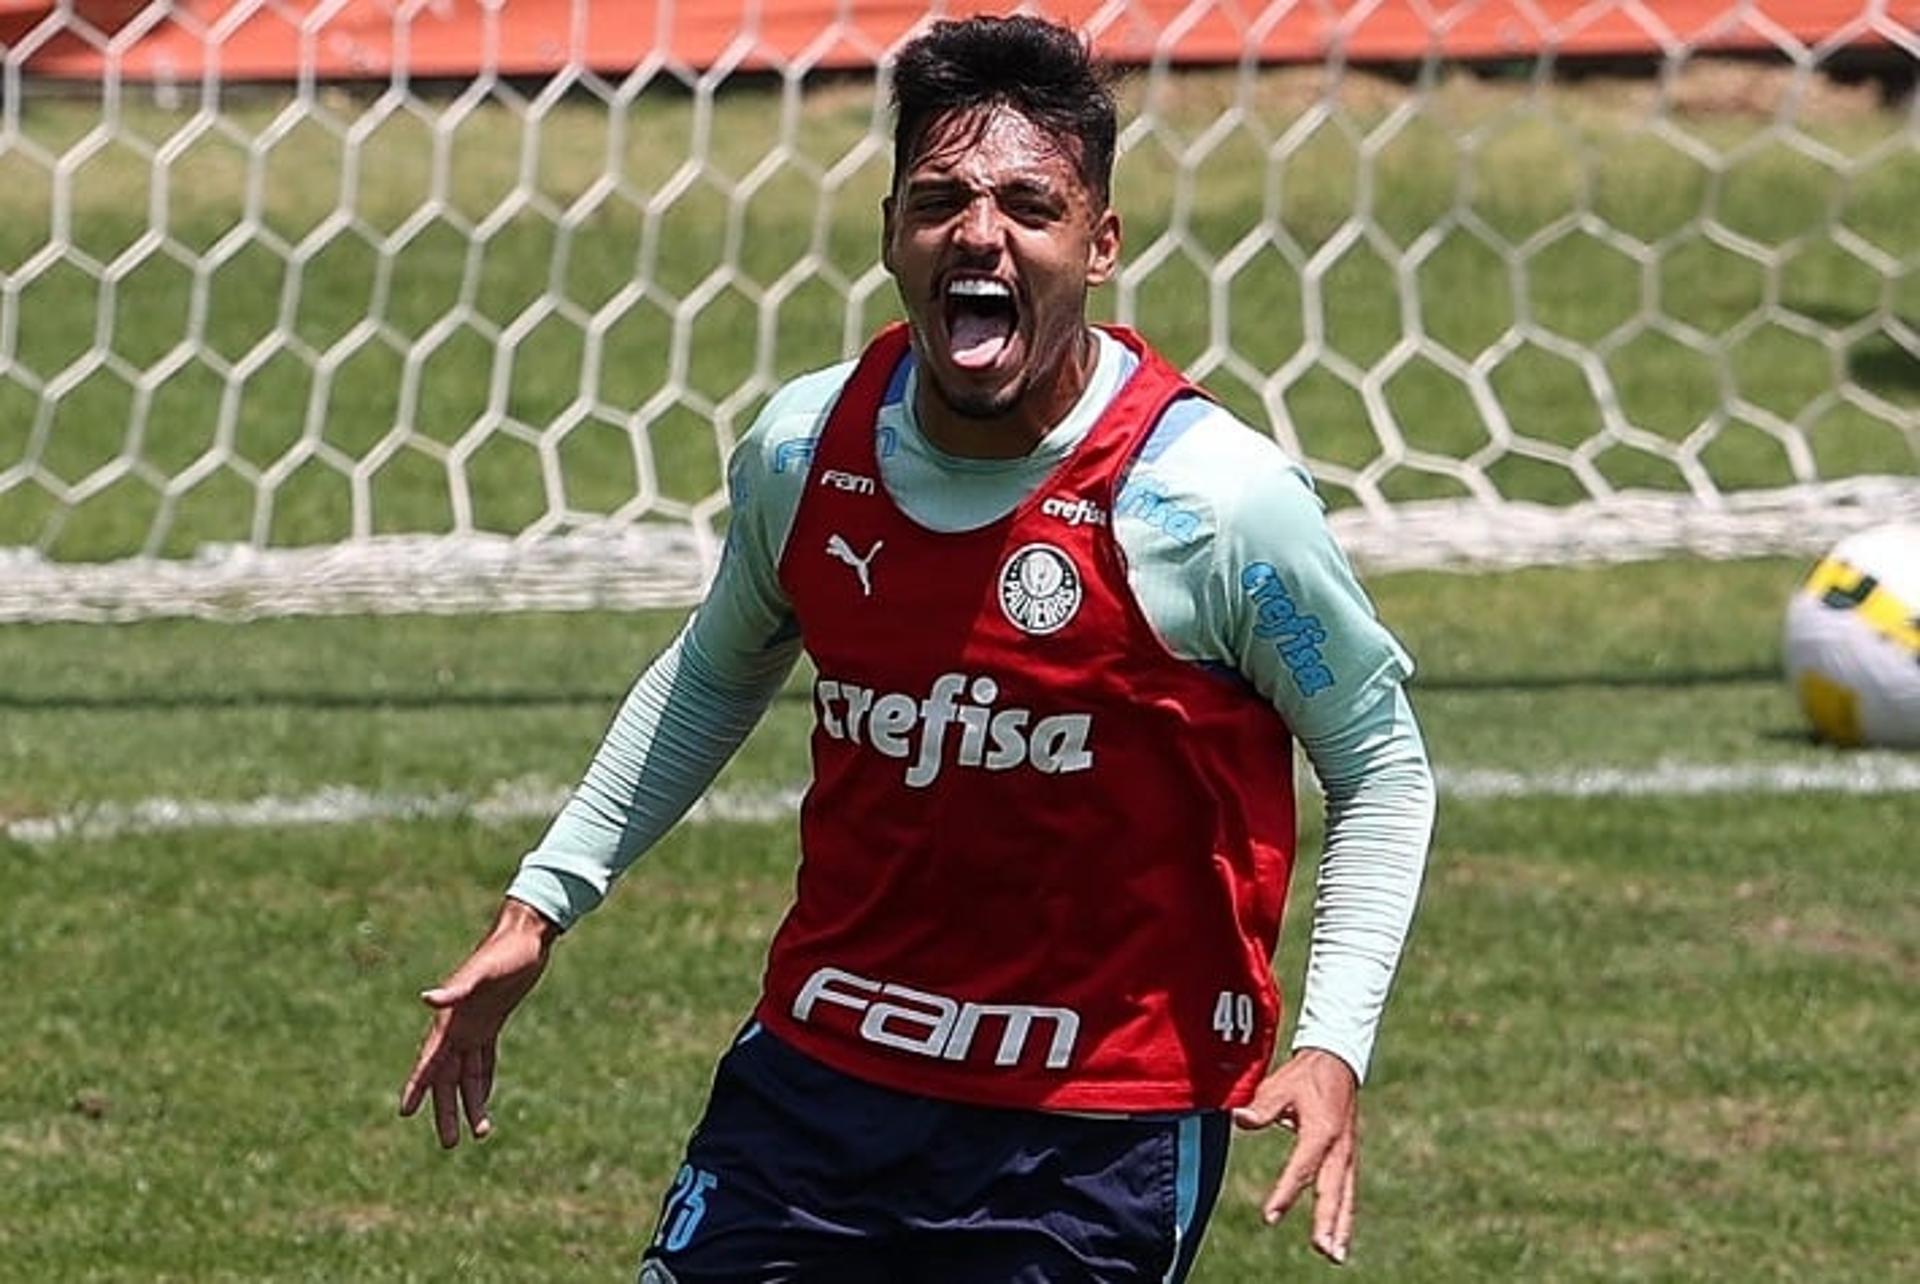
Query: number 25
[{"x": 686, "y": 1205}]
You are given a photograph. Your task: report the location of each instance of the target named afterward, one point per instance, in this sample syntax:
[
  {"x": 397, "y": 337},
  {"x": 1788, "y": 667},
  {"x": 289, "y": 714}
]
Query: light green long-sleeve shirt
[{"x": 1229, "y": 554}]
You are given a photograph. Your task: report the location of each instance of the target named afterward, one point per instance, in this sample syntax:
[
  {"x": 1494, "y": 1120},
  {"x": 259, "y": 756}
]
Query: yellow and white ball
[{"x": 1853, "y": 639}]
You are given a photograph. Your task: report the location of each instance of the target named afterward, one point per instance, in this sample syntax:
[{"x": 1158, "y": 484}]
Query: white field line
[
  {"x": 1856, "y": 773},
  {"x": 1859, "y": 773},
  {"x": 347, "y": 805}
]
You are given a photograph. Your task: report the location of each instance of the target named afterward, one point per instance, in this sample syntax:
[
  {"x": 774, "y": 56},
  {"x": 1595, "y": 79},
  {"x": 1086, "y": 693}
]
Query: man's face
[{"x": 994, "y": 240}]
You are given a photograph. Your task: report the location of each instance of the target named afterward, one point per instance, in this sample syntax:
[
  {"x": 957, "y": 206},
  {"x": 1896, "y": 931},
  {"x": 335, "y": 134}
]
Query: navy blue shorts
[{"x": 799, "y": 1173}]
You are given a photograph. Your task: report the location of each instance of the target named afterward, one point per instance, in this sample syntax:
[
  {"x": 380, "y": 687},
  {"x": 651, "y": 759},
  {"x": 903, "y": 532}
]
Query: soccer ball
[{"x": 1853, "y": 639}]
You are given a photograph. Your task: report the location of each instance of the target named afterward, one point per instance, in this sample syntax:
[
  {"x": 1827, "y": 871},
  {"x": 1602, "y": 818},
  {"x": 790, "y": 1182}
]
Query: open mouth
[{"x": 981, "y": 317}]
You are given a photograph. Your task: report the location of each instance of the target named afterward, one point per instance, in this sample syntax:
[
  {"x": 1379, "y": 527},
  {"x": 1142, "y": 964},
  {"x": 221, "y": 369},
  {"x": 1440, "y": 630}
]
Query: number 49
[{"x": 1233, "y": 1017}]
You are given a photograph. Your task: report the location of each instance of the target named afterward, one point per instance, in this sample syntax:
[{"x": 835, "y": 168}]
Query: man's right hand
[{"x": 469, "y": 1007}]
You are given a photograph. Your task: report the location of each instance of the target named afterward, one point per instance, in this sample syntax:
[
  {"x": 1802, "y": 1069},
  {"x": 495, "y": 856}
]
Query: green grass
[
  {"x": 1634, "y": 1039},
  {"x": 467, "y": 391}
]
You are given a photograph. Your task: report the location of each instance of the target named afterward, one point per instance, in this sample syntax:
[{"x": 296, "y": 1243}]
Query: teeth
[{"x": 978, "y": 288}]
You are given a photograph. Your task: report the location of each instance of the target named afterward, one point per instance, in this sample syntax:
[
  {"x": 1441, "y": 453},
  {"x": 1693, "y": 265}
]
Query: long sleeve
[
  {"x": 1380, "y": 805},
  {"x": 1232, "y": 559},
  {"x": 681, "y": 722},
  {"x": 691, "y": 708}
]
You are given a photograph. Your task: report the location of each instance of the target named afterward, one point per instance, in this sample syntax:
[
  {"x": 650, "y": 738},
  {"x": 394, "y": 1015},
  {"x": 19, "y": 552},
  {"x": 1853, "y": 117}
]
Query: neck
[{"x": 1041, "y": 406}]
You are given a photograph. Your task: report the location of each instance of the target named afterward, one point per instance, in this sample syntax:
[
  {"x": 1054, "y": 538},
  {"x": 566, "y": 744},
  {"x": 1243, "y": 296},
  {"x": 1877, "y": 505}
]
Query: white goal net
[{"x": 429, "y": 305}]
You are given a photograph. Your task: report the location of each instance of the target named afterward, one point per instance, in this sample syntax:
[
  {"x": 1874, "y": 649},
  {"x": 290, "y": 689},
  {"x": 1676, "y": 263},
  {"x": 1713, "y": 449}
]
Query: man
[{"x": 1066, "y": 616}]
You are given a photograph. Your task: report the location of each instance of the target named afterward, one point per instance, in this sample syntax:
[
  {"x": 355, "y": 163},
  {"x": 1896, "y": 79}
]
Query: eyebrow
[{"x": 1019, "y": 185}]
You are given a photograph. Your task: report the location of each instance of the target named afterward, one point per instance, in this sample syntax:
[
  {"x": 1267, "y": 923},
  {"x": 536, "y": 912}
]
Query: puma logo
[{"x": 862, "y": 566}]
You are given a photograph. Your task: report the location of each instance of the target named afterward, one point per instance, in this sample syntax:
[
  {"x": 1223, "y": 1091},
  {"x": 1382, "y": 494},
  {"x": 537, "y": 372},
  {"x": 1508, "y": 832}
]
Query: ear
[
  {"x": 886, "y": 232},
  {"x": 1103, "y": 255}
]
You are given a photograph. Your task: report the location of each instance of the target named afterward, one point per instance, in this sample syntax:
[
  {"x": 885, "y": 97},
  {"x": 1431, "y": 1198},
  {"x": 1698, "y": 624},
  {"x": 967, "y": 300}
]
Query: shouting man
[{"x": 1067, "y": 618}]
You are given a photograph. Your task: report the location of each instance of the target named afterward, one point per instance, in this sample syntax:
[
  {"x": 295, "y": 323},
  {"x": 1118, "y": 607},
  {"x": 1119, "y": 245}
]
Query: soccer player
[{"x": 1067, "y": 617}]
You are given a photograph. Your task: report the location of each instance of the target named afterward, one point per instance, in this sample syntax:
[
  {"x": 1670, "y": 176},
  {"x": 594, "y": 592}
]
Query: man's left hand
[{"x": 1316, "y": 1095}]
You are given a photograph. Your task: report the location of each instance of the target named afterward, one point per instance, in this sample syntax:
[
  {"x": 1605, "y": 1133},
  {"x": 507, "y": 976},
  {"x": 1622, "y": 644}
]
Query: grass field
[
  {"x": 439, "y": 303},
  {"x": 1664, "y": 1036}
]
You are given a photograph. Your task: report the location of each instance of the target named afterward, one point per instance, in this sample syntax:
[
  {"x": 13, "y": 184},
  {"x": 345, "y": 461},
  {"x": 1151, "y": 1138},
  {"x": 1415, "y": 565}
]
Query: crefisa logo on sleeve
[
  {"x": 1039, "y": 589},
  {"x": 1295, "y": 636}
]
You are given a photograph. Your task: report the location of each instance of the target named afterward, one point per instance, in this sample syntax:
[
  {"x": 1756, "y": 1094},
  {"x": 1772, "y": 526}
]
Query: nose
[{"x": 978, "y": 230}]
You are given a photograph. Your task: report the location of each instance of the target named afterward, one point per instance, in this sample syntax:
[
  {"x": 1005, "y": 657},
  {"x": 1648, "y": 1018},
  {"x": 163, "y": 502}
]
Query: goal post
[{"x": 460, "y": 305}]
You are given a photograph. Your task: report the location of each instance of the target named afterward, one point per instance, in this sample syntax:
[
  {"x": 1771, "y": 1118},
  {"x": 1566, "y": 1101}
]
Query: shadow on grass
[
  {"x": 1620, "y": 678},
  {"x": 1799, "y": 737},
  {"x": 1875, "y": 361}
]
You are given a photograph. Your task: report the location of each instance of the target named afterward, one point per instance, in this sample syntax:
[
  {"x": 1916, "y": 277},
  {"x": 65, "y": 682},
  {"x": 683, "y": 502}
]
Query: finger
[
  {"x": 1308, "y": 1154},
  {"x": 1343, "y": 1229},
  {"x": 1332, "y": 1186},
  {"x": 446, "y": 1112},
  {"x": 486, "y": 1065},
  {"x": 1254, "y": 1118},
  {"x": 413, "y": 1089},
  {"x": 1273, "y": 1102},
  {"x": 445, "y": 995},
  {"x": 424, "y": 1068},
  {"x": 473, "y": 1093}
]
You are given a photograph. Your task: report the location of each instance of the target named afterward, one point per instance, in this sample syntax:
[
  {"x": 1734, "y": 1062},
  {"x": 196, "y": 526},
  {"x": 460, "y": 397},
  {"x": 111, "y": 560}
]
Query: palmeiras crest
[{"x": 1039, "y": 589}]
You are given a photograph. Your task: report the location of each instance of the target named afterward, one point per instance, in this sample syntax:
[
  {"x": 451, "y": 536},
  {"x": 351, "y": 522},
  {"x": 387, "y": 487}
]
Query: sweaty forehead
[{"x": 992, "y": 145}]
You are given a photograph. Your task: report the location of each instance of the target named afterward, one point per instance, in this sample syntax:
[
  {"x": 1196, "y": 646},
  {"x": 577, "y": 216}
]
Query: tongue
[{"x": 979, "y": 338}]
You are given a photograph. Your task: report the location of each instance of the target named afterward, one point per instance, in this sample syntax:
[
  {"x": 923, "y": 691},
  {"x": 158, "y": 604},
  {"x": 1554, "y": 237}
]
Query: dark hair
[{"x": 1039, "y": 69}]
